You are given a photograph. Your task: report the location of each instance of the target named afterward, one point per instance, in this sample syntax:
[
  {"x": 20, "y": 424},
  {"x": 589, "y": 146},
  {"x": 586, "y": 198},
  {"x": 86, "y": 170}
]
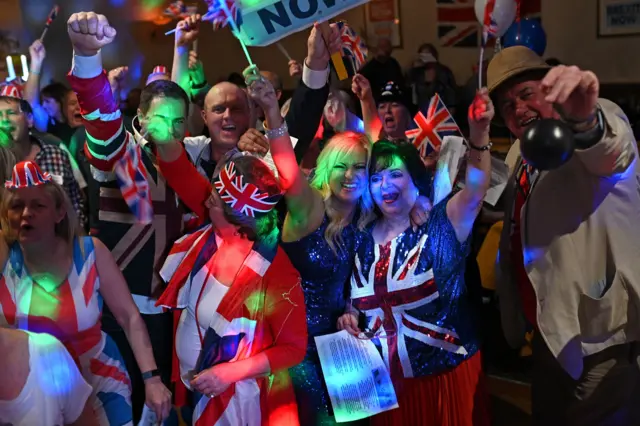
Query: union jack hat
[
  {"x": 11, "y": 91},
  {"x": 27, "y": 174},
  {"x": 243, "y": 197},
  {"x": 160, "y": 69}
]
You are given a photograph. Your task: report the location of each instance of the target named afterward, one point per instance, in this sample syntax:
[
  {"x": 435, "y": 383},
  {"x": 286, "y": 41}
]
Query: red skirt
[{"x": 454, "y": 398}]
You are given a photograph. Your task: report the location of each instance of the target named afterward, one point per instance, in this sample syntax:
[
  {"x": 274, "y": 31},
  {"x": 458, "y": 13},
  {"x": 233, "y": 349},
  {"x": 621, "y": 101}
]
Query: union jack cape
[{"x": 241, "y": 328}]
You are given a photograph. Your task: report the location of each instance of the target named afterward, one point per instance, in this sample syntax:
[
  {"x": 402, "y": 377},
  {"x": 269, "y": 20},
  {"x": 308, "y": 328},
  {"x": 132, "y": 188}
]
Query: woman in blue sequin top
[
  {"x": 320, "y": 235},
  {"x": 409, "y": 285}
]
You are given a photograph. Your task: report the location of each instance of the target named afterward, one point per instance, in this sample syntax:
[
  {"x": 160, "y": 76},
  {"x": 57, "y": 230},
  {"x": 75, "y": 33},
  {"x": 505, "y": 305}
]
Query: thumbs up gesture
[{"x": 89, "y": 32}]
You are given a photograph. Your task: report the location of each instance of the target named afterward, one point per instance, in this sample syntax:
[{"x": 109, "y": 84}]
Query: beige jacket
[{"x": 581, "y": 238}]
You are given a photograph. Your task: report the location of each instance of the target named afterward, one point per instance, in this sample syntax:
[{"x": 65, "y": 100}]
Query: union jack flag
[
  {"x": 353, "y": 46},
  {"x": 178, "y": 10},
  {"x": 243, "y": 197},
  {"x": 130, "y": 172},
  {"x": 458, "y": 25},
  {"x": 433, "y": 127},
  {"x": 217, "y": 14}
]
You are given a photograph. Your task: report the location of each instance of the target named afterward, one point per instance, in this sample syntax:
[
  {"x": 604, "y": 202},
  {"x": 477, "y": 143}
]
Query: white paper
[
  {"x": 357, "y": 379},
  {"x": 269, "y": 159},
  {"x": 148, "y": 417},
  {"x": 448, "y": 166},
  {"x": 499, "y": 179},
  {"x": 451, "y": 152}
]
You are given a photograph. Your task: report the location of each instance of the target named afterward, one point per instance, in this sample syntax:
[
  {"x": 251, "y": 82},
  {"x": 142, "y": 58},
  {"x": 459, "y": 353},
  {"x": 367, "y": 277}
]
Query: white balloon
[{"x": 504, "y": 12}]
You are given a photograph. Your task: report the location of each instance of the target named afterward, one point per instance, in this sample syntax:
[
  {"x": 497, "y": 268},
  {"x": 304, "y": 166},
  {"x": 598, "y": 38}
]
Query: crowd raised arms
[{"x": 224, "y": 261}]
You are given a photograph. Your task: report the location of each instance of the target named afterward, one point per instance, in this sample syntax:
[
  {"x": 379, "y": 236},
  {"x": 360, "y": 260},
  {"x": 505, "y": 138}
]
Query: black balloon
[{"x": 547, "y": 144}]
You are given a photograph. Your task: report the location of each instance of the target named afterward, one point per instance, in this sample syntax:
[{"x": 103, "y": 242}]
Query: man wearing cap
[
  {"x": 16, "y": 118},
  {"x": 568, "y": 262},
  {"x": 388, "y": 116}
]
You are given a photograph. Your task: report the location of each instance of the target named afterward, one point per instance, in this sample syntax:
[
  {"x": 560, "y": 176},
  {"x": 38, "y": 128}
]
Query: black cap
[{"x": 392, "y": 92}]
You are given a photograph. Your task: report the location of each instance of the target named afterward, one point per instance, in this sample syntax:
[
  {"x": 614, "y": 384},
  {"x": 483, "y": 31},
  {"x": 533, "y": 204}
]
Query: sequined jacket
[{"x": 412, "y": 291}]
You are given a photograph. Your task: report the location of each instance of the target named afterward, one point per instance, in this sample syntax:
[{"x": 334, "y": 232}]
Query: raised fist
[
  {"x": 361, "y": 87},
  {"x": 295, "y": 68},
  {"x": 187, "y": 30},
  {"x": 37, "y": 53},
  {"x": 89, "y": 32}
]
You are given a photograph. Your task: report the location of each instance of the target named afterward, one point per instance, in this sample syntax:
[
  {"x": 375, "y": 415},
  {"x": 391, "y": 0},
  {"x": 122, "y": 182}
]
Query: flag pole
[{"x": 52, "y": 15}]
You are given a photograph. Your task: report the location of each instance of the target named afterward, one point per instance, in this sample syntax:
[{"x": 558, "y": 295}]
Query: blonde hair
[
  {"x": 338, "y": 147},
  {"x": 67, "y": 229}
]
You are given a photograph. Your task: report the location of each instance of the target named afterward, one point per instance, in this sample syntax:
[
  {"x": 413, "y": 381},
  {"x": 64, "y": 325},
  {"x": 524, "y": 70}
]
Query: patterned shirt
[{"x": 54, "y": 160}]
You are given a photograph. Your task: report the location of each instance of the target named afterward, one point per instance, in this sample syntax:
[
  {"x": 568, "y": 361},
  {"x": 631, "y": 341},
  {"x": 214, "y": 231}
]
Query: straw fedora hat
[{"x": 512, "y": 62}]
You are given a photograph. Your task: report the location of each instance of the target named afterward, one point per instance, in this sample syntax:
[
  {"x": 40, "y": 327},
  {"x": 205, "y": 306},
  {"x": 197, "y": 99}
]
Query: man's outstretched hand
[{"x": 89, "y": 32}]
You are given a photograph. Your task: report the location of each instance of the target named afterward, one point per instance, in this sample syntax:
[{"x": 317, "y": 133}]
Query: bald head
[{"x": 227, "y": 115}]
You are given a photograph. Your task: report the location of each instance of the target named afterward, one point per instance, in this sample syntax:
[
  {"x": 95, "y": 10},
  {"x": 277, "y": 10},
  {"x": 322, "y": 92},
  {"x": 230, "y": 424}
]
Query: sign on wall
[
  {"x": 382, "y": 20},
  {"x": 618, "y": 18}
]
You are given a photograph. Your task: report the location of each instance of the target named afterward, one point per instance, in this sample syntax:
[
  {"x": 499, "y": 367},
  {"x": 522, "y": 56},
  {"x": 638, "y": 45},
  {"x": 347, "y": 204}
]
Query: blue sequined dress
[
  {"x": 414, "y": 286},
  {"x": 325, "y": 277}
]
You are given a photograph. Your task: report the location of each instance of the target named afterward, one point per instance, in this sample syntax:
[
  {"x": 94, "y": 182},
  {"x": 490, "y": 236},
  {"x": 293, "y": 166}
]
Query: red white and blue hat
[
  {"x": 243, "y": 197},
  {"x": 12, "y": 91},
  {"x": 27, "y": 174}
]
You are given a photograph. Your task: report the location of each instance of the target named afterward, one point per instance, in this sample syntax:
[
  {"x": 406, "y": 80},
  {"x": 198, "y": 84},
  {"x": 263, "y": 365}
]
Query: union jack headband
[
  {"x": 27, "y": 174},
  {"x": 241, "y": 196}
]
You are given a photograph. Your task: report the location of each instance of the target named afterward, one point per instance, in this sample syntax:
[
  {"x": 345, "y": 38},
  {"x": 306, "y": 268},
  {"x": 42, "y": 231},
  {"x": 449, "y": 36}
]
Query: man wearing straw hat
[{"x": 568, "y": 261}]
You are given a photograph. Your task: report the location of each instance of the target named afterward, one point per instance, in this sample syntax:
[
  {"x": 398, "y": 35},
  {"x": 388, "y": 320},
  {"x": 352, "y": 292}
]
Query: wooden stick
[{"x": 336, "y": 57}]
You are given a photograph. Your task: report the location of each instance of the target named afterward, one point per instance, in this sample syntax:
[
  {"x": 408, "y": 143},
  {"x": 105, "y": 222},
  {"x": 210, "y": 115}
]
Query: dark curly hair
[{"x": 383, "y": 154}]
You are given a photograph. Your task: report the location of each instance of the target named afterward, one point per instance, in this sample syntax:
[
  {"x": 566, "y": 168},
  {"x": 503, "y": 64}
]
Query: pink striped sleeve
[{"x": 106, "y": 137}]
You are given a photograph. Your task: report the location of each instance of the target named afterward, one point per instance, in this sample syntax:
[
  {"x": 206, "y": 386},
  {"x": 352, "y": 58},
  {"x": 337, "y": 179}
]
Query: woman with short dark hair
[{"x": 409, "y": 285}]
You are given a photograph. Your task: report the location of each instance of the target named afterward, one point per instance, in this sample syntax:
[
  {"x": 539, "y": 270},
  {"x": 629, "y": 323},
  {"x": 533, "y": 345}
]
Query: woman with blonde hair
[
  {"x": 53, "y": 281},
  {"x": 320, "y": 234}
]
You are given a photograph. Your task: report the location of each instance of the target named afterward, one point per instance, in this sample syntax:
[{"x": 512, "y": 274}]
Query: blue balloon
[{"x": 528, "y": 32}]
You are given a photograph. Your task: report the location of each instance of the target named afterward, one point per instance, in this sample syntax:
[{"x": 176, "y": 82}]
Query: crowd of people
[{"x": 182, "y": 248}]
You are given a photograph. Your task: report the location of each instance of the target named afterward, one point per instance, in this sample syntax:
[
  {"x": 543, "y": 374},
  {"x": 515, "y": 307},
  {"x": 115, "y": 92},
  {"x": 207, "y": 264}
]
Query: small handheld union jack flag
[
  {"x": 433, "y": 127},
  {"x": 217, "y": 15},
  {"x": 242, "y": 197},
  {"x": 353, "y": 46},
  {"x": 27, "y": 174},
  {"x": 132, "y": 180}
]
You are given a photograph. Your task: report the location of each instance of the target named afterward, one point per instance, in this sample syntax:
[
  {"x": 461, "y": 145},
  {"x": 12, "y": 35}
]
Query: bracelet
[
  {"x": 198, "y": 86},
  {"x": 34, "y": 72},
  {"x": 150, "y": 374},
  {"x": 487, "y": 147},
  {"x": 277, "y": 133}
]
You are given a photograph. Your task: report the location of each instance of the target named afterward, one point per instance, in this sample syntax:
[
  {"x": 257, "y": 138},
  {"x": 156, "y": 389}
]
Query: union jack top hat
[
  {"x": 243, "y": 197},
  {"x": 27, "y": 174},
  {"x": 159, "y": 69},
  {"x": 11, "y": 91}
]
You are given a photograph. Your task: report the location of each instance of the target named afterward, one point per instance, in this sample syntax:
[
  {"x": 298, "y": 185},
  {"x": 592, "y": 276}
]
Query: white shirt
[
  {"x": 54, "y": 393},
  {"x": 188, "y": 346}
]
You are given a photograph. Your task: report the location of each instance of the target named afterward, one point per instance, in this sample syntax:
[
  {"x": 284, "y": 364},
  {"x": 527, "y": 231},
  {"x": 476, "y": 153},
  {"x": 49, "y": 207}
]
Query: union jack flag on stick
[
  {"x": 52, "y": 15},
  {"x": 217, "y": 15},
  {"x": 433, "y": 127},
  {"x": 352, "y": 46}
]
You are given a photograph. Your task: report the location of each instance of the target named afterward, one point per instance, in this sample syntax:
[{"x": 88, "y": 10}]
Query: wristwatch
[
  {"x": 150, "y": 374},
  {"x": 590, "y": 137}
]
